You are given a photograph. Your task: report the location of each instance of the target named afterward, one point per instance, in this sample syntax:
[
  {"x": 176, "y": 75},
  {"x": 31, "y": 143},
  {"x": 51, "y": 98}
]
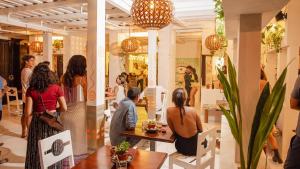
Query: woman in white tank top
[{"x": 119, "y": 89}]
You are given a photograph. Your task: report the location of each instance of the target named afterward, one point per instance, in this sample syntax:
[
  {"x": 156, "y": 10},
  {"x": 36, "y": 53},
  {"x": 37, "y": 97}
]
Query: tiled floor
[{"x": 10, "y": 130}]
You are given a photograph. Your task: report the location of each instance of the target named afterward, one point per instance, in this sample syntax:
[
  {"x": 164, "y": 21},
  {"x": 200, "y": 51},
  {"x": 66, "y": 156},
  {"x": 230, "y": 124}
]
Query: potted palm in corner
[{"x": 267, "y": 112}]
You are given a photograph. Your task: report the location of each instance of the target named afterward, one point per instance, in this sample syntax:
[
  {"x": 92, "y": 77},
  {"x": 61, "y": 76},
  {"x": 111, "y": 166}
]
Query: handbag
[{"x": 47, "y": 118}]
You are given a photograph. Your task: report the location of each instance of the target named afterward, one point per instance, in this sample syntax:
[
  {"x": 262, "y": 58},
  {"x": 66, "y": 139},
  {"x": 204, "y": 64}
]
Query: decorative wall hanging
[{"x": 36, "y": 46}]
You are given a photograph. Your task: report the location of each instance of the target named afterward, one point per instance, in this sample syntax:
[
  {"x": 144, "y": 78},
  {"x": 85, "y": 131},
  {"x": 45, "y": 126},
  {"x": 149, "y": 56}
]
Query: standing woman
[
  {"x": 75, "y": 88},
  {"x": 119, "y": 89},
  {"x": 28, "y": 62},
  {"x": 43, "y": 94},
  {"x": 194, "y": 85}
]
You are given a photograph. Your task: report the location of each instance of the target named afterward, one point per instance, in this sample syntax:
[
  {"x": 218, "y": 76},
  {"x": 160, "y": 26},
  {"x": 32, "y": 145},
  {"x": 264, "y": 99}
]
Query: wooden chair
[
  {"x": 48, "y": 157},
  {"x": 205, "y": 156},
  {"x": 13, "y": 92}
]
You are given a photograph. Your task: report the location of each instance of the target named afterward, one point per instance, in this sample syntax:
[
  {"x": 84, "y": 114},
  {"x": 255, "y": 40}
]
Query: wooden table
[
  {"x": 215, "y": 108},
  {"x": 159, "y": 136},
  {"x": 141, "y": 160}
]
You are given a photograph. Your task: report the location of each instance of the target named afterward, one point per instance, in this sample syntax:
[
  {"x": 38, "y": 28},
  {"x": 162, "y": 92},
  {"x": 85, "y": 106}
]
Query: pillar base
[{"x": 95, "y": 126}]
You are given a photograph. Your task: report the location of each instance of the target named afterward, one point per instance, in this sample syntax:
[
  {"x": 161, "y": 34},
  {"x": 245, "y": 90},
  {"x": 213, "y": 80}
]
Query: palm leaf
[{"x": 268, "y": 108}]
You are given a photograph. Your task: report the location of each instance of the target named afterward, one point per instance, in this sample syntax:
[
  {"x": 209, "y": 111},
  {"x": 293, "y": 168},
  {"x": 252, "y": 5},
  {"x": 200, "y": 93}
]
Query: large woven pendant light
[
  {"x": 152, "y": 14},
  {"x": 213, "y": 43},
  {"x": 130, "y": 44}
]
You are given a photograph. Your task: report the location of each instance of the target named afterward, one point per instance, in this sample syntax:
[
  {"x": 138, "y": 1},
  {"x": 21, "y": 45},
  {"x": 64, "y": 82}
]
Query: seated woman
[{"x": 185, "y": 124}]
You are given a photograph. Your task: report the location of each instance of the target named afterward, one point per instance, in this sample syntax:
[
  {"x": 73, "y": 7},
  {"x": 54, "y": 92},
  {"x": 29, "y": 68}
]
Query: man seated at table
[{"x": 125, "y": 118}]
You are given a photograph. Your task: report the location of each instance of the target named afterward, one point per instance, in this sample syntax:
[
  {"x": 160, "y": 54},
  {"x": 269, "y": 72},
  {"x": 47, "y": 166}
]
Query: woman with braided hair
[{"x": 185, "y": 123}]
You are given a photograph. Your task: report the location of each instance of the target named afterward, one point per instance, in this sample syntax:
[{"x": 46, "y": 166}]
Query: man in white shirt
[{"x": 28, "y": 65}]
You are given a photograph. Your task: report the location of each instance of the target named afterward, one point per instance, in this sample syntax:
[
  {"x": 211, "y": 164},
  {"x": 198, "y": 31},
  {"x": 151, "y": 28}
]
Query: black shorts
[{"x": 293, "y": 158}]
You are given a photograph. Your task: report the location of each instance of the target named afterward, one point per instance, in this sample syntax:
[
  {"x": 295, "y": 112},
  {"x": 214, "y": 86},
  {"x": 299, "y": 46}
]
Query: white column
[
  {"x": 96, "y": 72},
  {"x": 166, "y": 59},
  {"x": 290, "y": 116},
  {"x": 47, "y": 47},
  {"x": 249, "y": 70},
  {"x": 67, "y": 51},
  {"x": 114, "y": 60},
  {"x": 152, "y": 50}
]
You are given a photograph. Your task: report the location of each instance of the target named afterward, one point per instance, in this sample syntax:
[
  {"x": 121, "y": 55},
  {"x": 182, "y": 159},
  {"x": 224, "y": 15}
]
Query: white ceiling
[
  {"x": 268, "y": 8},
  {"x": 62, "y": 16}
]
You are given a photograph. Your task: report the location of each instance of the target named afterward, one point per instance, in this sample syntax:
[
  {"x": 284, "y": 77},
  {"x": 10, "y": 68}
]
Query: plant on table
[
  {"x": 267, "y": 112},
  {"x": 121, "y": 150},
  {"x": 151, "y": 124}
]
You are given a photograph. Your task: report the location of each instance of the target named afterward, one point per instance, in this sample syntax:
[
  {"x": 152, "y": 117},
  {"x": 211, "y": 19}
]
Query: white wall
[{"x": 188, "y": 48}]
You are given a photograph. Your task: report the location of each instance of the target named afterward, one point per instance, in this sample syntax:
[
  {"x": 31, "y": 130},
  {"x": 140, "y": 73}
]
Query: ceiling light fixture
[{"x": 152, "y": 14}]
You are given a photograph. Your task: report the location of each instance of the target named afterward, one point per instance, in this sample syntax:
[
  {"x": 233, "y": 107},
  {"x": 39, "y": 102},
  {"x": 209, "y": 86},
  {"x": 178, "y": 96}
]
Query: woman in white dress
[
  {"x": 119, "y": 90},
  {"x": 75, "y": 89}
]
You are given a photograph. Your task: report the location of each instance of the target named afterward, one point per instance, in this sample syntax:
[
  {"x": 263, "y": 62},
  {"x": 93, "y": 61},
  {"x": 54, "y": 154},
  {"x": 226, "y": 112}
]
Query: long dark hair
[
  {"x": 193, "y": 72},
  {"x": 41, "y": 78},
  {"x": 126, "y": 76},
  {"x": 179, "y": 98},
  {"x": 122, "y": 79},
  {"x": 76, "y": 66}
]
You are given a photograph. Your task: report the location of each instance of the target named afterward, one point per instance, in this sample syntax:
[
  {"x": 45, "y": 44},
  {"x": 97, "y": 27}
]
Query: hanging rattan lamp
[
  {"x": 130, "y": 45},
  {"x": 36, "y": 46},
  {"x": 152, "y": 14},
  {"x": 213, "y": 43}
]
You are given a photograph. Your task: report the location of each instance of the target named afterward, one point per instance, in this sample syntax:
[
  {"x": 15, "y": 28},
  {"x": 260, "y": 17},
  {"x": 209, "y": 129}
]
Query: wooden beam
[
  {"x": 52, "y": 17},
  {"x": 48, "y": 5},
  {"x": 14, "y": 22}
]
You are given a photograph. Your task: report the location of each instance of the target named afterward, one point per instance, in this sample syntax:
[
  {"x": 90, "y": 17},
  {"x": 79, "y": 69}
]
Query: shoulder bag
[{"x": 52, "y": 121}]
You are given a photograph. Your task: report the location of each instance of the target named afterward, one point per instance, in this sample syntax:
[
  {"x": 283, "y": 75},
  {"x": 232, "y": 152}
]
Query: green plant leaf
[{"x": 256, "y": 121}]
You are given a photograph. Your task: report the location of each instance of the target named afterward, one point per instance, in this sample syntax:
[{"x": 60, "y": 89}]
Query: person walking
[{"x": 28, "y": 62}]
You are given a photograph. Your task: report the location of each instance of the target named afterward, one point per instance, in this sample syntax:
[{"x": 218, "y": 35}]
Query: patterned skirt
[{"x": 38, "y": 130}]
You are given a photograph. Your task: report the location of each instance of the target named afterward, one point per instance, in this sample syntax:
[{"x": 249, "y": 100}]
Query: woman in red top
[{"x": 43, "y": 88}]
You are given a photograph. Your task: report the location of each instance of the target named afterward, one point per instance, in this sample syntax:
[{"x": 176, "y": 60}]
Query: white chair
[
  {"x": 162, "y": 112},
  {"x": 48, "y": 158},
  {"x": 13, "y": 92},
  {"x": 205, "y": 156}
]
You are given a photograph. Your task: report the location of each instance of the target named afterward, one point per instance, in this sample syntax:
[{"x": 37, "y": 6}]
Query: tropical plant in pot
[
  {"x": 121, "y": 150},
  {"x": 267, "y": 112}
]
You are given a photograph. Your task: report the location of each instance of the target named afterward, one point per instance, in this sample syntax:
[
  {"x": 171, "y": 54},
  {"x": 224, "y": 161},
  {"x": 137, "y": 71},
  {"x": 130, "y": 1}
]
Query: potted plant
[
  {"x": 267, "y": 112},
  {"x": 121, "y": 150},
  {"x": 151, "y": 124}
]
